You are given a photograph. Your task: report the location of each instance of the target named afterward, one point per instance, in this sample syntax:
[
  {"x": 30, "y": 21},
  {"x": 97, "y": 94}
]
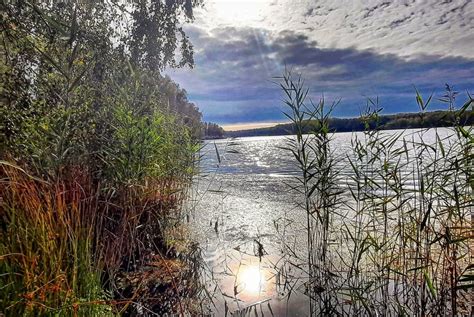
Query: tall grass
[
  {"x": 312, "y": 153},
  {"x": 92, "y": 184},
  {"x": 75, "y": 240},
  {"x": 97, "y": 150},
  {"x": 395, "y": 236},
  {"x": 46, "y": 246},
  {"x": 76, "y": 245}
]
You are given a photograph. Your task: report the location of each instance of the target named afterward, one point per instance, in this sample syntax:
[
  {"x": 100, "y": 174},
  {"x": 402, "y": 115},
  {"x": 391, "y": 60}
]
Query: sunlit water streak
[{"x": 239, "y": 208}]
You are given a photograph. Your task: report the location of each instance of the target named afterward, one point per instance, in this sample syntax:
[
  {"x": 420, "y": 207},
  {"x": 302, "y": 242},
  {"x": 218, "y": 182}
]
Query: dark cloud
[
  {"x": 235, "y": 67},
  {"x": 372, "y": 10}
]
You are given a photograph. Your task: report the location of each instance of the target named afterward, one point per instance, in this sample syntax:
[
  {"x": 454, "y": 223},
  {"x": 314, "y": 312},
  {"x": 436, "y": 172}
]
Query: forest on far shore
[{"x": 385, "y": 122}]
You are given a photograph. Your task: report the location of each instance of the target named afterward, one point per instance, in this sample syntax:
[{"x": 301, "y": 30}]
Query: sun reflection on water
[{"x": 251, "y": 280}]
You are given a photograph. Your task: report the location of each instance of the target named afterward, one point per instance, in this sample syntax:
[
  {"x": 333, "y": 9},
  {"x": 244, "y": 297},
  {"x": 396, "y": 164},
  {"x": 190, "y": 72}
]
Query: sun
[{"x": 239, "y": 12}]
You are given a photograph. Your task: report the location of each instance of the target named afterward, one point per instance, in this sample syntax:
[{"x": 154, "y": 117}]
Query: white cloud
[{"x": 405, "y": 28}]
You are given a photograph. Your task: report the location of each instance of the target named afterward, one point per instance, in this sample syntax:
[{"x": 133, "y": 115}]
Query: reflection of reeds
[{"x": 401, "y": 243}]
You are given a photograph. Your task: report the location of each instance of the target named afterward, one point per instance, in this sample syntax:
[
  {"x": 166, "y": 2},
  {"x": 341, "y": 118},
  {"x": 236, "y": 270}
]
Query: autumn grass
[
  {"x": 91, "y": 227},
  {"x": 68, "y": 249},
  {"x": 47, "y": 246}
]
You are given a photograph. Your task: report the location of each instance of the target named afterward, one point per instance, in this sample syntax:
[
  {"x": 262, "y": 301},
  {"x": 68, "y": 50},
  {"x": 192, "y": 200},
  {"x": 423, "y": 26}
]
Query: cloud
[
  {"x": 405, "y": 28},
  {"x": 236, "y": 65}
]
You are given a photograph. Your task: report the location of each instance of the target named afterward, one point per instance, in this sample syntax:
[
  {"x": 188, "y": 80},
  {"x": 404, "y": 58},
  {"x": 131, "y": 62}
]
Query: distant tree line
[
  {"x": 177, "y": 102},
  {"x": 384, "y": 122},
  {"x": 212, "y": 130}
]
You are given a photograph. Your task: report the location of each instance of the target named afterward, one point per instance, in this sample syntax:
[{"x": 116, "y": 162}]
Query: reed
[
  {"x": 75, "y": 245},
  {"x": 92, "y": 184},
  {"x": 318, "y": 184},
  {"x": 47, "y": 246},
  {"x": 395, "y": 236}
]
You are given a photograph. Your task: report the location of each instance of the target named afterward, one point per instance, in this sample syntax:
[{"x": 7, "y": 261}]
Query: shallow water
[{"x": 240, "y": 203}]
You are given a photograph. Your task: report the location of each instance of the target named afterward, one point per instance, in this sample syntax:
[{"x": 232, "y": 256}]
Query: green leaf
[{"x": 430, "y": 285}]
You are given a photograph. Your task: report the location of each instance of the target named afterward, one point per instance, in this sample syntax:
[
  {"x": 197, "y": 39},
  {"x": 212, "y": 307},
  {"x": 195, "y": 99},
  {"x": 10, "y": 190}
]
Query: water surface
[{"x": 242, "y": 205}]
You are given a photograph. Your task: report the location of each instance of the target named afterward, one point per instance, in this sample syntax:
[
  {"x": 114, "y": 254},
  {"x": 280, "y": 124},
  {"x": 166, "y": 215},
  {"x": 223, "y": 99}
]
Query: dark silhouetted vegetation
[
  {"x": 212, "y": 131},
  {"x": 386, "y": 122}
]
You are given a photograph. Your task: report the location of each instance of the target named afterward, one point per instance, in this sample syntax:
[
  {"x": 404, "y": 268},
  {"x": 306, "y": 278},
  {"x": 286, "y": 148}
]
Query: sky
[{"x": 345, "y": 50}]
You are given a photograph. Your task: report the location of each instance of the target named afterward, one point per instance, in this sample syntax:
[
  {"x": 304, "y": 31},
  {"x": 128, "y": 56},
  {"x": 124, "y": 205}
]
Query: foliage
[
  {"x": 46, "y": 248},
  {"x": 318, "y": 184},
  {"x": 97, "y": 148},
  {"x": 212, "y": 130}
]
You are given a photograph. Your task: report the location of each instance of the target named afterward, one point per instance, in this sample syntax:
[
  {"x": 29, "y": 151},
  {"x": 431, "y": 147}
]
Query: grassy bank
[
  {"x": 97, "y": 151},
  {"x": 73, "y": 245}
]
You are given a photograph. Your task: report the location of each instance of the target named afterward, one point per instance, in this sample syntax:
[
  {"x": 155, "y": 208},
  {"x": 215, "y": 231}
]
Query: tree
[
  {"x": 76, "y": 54},
  {"x": 212, "y": 130},
  {"x": 102, "y": 139}
]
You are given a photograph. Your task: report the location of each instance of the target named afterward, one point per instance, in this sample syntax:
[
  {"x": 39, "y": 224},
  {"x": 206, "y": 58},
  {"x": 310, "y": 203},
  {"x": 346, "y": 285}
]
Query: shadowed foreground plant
[
  {"x": 109, "y": 143},
  {"x": 67, "y": 248}
]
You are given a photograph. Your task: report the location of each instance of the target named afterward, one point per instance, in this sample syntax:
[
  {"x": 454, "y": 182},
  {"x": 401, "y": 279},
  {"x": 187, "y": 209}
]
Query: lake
[{"x": 244, "y": 212}]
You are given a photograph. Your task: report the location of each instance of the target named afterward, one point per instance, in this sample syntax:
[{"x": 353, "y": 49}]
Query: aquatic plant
[{"x": 397, "y": 238}]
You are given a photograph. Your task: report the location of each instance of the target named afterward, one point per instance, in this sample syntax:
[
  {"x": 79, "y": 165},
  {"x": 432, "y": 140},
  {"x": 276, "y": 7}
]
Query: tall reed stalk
[
  {"x": 393, "y": 236},
  {"x": 317, "y": 185}
]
